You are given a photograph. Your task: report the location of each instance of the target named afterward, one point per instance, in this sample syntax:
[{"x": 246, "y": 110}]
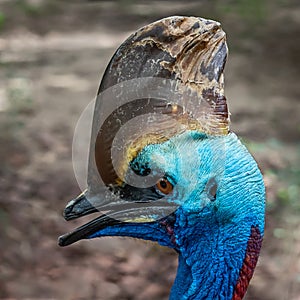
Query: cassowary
[{"x": 163, "y": 164}]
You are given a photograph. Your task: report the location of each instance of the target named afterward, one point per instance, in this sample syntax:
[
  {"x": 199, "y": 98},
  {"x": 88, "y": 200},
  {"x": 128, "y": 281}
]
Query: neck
[{"x": 218, "y": 266}]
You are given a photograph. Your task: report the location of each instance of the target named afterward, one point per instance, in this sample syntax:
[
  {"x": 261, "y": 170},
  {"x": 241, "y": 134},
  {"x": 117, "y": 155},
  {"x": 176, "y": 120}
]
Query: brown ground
[{"x": 52, "y": 56}]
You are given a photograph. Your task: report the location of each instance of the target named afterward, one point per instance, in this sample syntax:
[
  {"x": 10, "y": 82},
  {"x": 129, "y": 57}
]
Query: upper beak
[{"x": 78, "y": 207}]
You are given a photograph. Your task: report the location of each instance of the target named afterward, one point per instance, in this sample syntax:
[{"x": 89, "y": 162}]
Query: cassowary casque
[{"x": 163, "y": 164}]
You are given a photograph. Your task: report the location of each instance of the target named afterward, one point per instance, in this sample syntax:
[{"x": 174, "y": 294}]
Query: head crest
[{"x": 172, "y": 67}]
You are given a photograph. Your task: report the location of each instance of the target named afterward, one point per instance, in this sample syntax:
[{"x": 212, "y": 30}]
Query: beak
[
  {"x": 121, "y": 213},
  {"x": 78, "y": 207}
]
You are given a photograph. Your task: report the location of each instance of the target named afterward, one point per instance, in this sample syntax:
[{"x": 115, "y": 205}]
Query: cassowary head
[{"x": 163, "y": 165}]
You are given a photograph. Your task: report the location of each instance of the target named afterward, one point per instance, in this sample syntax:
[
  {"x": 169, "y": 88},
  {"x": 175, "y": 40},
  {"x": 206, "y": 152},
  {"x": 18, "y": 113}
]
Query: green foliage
[
  {"x": 283, "y": 171},
  {"x": 4, "y": 220},
  {"x": 29, "y": 8},
  {"x": 19, "y": 103},
  {"x": 253, "y": 11},
  {"x": 37, "y": 9},
  {"x": 19, "y": 97},
  {"x": 289, "y": 194},
  {"x": 279, "y": 233},
  {"x": 2, "y": 20}
]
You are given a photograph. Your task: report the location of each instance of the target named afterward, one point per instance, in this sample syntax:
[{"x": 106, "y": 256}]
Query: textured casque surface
[{"x": 191, "y": 53}]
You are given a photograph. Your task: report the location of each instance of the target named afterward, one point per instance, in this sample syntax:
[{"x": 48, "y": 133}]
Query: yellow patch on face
[
  {"x": 135, "y": 148},
  {"x": 140, "y": 220}
]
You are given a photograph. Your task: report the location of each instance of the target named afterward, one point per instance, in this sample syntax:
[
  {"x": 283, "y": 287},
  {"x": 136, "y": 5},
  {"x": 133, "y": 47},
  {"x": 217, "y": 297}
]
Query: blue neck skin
[
  {"x": 210, "y": 257},
  {"x": 210, "y": 235},
  {"x": 210, "y": 260}
]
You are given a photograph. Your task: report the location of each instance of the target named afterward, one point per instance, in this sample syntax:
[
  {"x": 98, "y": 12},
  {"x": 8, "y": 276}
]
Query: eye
[{"x": 164, "y": 186}]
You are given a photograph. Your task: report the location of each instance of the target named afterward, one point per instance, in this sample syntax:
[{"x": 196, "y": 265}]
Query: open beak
[
  {"x": 79, "y": 207},
  {"x": 116, "y": 213}
]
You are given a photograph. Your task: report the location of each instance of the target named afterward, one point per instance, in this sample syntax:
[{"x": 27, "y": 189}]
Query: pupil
[{"x": 163, "y": 184}]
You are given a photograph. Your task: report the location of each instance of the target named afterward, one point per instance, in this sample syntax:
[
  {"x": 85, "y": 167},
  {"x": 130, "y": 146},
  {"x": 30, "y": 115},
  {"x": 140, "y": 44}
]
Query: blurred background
[{"x": 52, "y": 56}]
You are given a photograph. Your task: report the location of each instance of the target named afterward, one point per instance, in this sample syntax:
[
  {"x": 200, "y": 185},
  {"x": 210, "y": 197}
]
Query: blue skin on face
[{"x": 220, "y": 195}]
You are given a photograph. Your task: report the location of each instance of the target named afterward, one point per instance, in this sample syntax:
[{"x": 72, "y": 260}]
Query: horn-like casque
[{"x": 187, "y": 52}]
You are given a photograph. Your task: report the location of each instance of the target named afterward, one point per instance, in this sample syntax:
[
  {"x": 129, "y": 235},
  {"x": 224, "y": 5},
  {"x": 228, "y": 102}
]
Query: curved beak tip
[{"x": 60, "y": 241}]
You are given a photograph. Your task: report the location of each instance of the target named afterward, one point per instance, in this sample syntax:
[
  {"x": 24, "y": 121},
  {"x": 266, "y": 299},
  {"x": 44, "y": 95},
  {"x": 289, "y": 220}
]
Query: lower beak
[{"x": 86, "y": 230}]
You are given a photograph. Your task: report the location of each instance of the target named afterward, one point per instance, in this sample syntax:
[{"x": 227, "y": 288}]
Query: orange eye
[{"x": 164, "y": 186}]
